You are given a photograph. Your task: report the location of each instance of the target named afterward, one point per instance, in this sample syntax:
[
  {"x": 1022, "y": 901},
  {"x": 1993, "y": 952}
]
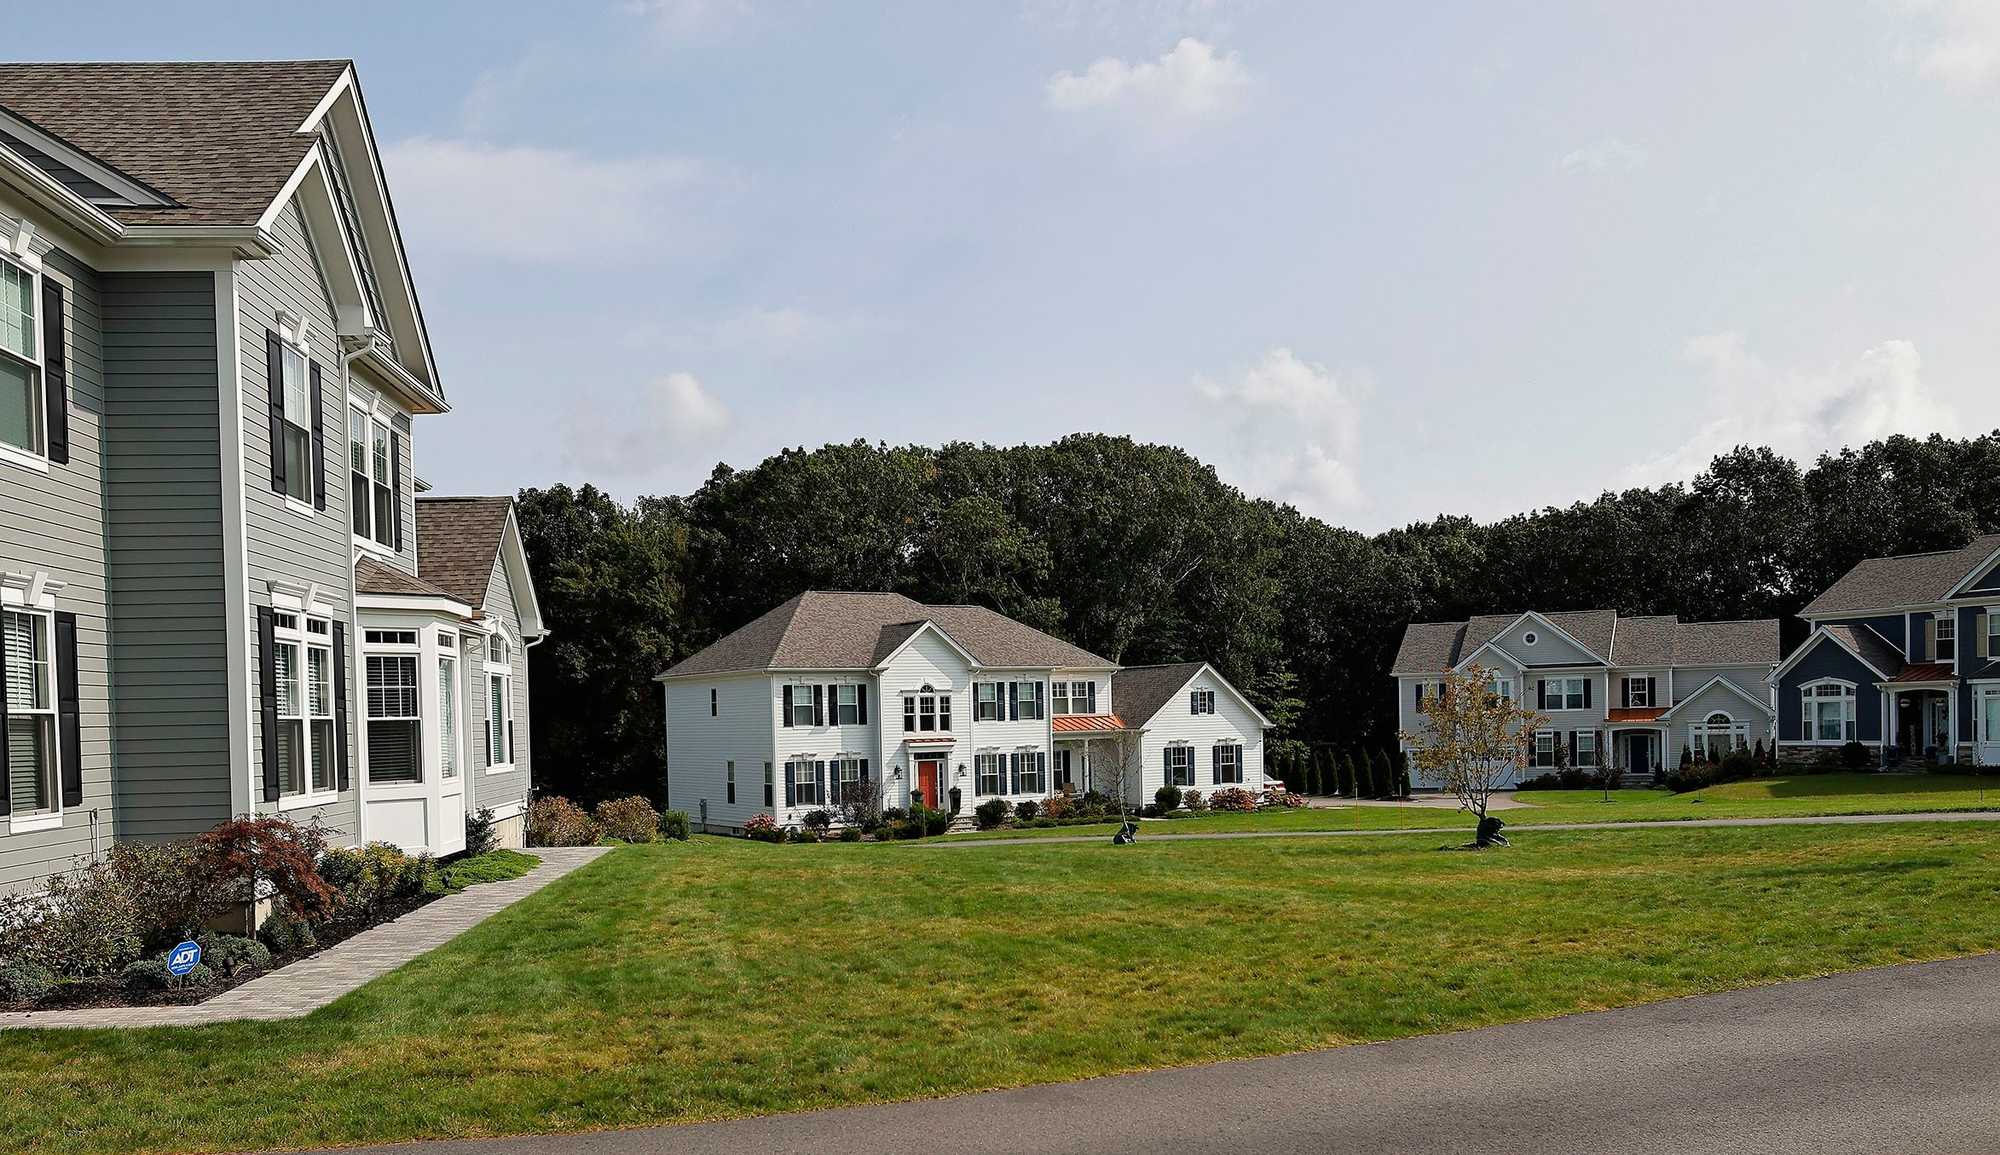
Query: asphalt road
[{"x": 1896, "y": 1060}]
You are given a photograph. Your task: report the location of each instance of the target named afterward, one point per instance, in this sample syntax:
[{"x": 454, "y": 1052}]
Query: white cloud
[
  {"x": 630, "y": 436},
  {"x": 689, "y": 19},
  {"x": 531, "y": 204},
  {"x": 1963, "y": 49},
  {"x": 1800, "y": 413},
  {"x": 1608, "y": 155},
  {"x": 774, "y": 332},
  {"x": 1189, "y": 85},
  {"x": 1291, "y": 429}
]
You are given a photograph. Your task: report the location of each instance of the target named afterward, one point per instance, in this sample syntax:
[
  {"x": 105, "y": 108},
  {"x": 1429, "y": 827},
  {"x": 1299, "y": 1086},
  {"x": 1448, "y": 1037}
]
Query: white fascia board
[{"x": 1710, "y": 684}]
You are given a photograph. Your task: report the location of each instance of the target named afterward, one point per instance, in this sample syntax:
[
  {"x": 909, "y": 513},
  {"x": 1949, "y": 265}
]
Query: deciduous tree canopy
[{"x": 1140, "y": 553}]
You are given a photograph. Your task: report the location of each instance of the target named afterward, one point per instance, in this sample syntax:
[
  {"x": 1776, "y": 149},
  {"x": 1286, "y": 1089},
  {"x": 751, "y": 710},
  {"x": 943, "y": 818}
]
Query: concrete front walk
[
  {"x": 309, "y": 984},
  {"x": 1514, "y": 830},
  {"x": 1893, "y": 1061}
]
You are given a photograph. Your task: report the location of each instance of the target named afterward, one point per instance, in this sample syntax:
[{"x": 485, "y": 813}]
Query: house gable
[{"x": 1552, "y": 645}]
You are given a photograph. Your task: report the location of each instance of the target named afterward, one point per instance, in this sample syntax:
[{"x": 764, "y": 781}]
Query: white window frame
[
  {"x": 396, "y": 643},
  {"x": 1637, "y": 691},
  {"x": 1180, "y": 764},
  {"x": 297, "y": 631},
  {"x": 989, "y": 763},
  {"x": 45, "y": 817},
  {"x": 1059, "y": 697},
  {"x": 451, "y": 760},
  {"x": 921, "y": 706},
  {"x": 1501, "y": 686},
  {"x": 802, "y": 705},
  {"x": 1027, "y": 701},
  {"x": 1577, "y": 752},
  {"x": 837, "y": 777},
  {"x": 292, "y": 343},
  {"x": 1545, "y": 750},
  {"x": 1730, "y": 729},
  {"x": 379, "y": 474},
  {"x": 1811, "y": 695},
  {"x": 1945, "y": 633},
  {"x": 801, "y": 770},
  {"x": 1993, "y": 632},
  {"x": 1201, "y": 701},
  {"x": 497, "y": 727},
  {"x": 35, "y": 457},
  {"x": 1034, "y": 771},
  {"x": 985, "y": 696},
  {"x": 842, "y": 693},
  {"x": 1558, "y": 688},
  {"x": 1234, "y": 763}
]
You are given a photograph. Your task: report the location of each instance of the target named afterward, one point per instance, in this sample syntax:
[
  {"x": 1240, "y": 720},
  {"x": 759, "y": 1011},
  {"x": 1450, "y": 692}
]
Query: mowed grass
[
  {"x": 1803, "y": 795},
  {"x": 719, "y": 978}
]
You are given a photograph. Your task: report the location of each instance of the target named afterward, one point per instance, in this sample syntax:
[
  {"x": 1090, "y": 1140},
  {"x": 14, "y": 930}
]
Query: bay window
[
  {"x": 31, "y": 711},
  {"x": 22, "y": 420},
  {"x": 448, "y": 705},
  {"x": 395, "y": 727}
]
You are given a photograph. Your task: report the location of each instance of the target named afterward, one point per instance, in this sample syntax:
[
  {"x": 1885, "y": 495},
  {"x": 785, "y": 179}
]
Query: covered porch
[
  {"x": 1089, "y": 752},
  {"x": 1636, "y": 740},
  {"x": 1920, "y": 712}
]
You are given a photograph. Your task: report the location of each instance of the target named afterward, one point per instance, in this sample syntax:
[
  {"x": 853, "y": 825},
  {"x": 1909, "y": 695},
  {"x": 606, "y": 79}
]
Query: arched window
[
  {"x": 1716, "y": 735},
  {"x": 1826, "y": 712}
]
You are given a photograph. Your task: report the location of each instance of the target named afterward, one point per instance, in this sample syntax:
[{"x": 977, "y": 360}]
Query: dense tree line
[{"x": 1140, "y": 553}]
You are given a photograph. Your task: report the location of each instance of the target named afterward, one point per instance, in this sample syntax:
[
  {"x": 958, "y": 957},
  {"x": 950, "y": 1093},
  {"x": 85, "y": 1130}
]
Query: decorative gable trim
[
  {"x": 1564, "y": 634},
  {"x": 931, "y": 627},
  {"x": 1179, "y": 695},
  {"x": 1820, "y": 634},
  {"x": 1519, "y": 666},
  {"x": 1982, "y": 570},
  {"x": 1740, "y": 692}
]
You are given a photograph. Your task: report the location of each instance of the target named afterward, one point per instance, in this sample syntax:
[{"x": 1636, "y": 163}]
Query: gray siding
[
  {"x": 498, "y": 789},
  {"x": 53, "y": 522},
  {"x": 1751, "y": 679},
  {"x": 280, "y": 541},
  {"x": 163, "y": 489}
]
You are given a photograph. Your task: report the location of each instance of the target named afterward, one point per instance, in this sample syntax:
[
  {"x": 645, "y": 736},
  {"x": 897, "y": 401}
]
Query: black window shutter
[
  {"x": 1419, "y": 687},
  {"x": 1587, "y": 682},
  {"x": 861, "y": 705},
  {"x": 1652, "y": 691},
  {"x": 788, "y": 706},
  {"x": 319, "y": 441},
  {"x": 791, "y": 787},
  {"x": 1167, "y": 766},
  {"x": 396, "y": 484},
  {"x": 1541, "y": 693},
  {"x": 274, "y": 379},
  {"x": 6, "y": 779},
  {"x": 510, "y": 736},
  {"x": 55, "y": 373},
  {"x": 340, "y": 706},
  {"x": 1625, "y": 691},
  {"x": 69, "y": 711},
  {"x": 1041, "y": 699},
  {"x": 1013, "y": 701},
  {"x": 1014, "y": 773},
  {"x": 267, "y": 693},
  {"x": 1092, "y": 697},
  {"x": 819, "y": 704},
  {"x": 864, "y": 769},
  {"x": 1214, "y": 765},
  {"x": 819, "y": 783}
]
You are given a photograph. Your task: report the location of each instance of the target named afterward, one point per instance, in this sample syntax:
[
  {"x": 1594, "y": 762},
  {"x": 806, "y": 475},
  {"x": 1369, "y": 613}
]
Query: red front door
[{"x": 928, "y": 770}]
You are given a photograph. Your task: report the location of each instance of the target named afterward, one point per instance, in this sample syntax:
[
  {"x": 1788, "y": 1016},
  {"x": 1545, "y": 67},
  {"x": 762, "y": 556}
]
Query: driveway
[{"x": 1898, "y": 1060}]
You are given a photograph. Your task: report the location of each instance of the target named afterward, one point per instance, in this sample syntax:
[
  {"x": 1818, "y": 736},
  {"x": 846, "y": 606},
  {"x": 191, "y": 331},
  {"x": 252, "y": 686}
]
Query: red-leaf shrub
[
  {"x": 244, "y": 852},
  {"x": 1232, "y": 798}
]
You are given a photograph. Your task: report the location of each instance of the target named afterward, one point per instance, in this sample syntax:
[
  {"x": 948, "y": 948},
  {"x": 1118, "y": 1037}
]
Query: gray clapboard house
[{"x": 213, "y": 588}]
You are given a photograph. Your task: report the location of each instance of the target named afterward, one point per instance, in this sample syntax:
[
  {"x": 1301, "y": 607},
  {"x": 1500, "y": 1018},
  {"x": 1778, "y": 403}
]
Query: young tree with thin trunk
[{"x": 1472, "y": 741}]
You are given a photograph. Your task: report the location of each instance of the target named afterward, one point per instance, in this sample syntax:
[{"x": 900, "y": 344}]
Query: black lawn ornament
[{"x": 1128, "y": 833}]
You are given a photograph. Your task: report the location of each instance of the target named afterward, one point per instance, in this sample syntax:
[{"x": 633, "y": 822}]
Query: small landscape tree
[
  {"x": 1473, "y": 742},
  {"x": 1346, "y": 773}
]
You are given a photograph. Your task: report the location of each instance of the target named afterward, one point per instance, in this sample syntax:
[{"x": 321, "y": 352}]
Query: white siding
[
  {"x": 1232, "y": 721},
  {"x": 928, "y": 660},
  {"x": 700, "y": 746}
]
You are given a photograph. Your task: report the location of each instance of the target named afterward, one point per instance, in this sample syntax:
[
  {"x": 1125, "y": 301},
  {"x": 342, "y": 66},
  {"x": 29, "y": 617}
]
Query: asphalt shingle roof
[
  {"x": 218, "y": 138},
  {"x": 1139, "y": 692},
  {"x": 457, "y": 540},
  {"x": 1874, "y": 649},
  {"x": 825, "y": 630},
  {"x": 373, "y": 577},
  {"x": 1911, "y": 579},
  {"x": 1432, "y": 647}
]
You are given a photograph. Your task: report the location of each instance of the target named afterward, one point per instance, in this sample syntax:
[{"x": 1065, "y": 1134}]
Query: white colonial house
[{"x": 952, "y": 705}]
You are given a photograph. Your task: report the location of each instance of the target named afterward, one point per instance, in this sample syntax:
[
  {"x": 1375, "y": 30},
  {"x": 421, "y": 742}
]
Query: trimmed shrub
[
  {"x": 1194, "y": 801},
  {"x": 1232, "y": 798},
  {"x": 674, "y": 825},
  {"x": 482, "y": 834},
  {"x": 492, "y": 866},
  {"x": 170, "y": 885},
  {"x": 556, "y": 821},
  {"x": 850, "y": 834},
  {"x": 630, "y": 819},
  {"x": 806, "y": 834},
  {"x": 1854, "y": 756},
  {"x": 1026, "y": 811},
  {"x": 230, "y": 955},
  {"x": 990, "y": 813},
  {"x": 1060, "y": 804},
  {"x": 149, "y": 976},
  {"x": 936, "y": 822},
  {"x": 1344, "y": 774},
  {"x": 83, "y": 925},
  {"x": 763, "y": 828},
  {"x": 22, "y": 981},
  {"x": 818, "y": 821},
  {"x": 1167, "y": 798},
  {"x": 286, "y": 933}
]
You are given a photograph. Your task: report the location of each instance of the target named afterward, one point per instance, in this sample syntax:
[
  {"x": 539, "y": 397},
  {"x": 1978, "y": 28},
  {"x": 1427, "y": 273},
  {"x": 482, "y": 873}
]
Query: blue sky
[{"x": 1379, "y": 260}]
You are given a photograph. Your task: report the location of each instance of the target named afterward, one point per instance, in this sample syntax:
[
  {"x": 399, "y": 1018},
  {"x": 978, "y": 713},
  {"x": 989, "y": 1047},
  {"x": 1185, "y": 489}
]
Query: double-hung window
[
  {"x": 803, "y": 713},
  {"x": 846, "y": 773},
  {"x": 295, "y": 398},
  {"x": 1228, "y": 763},
  {"x": 986, "y": 702},
  {"x": 1034, "y": 772},
  {"x": 987, "y": 774},
  {"x": 926, "y": 712},
  {"x": 730, "y": 782},
  {"x": 22, "y": 421},
  {"x": 1180, "y": 765},
  {"x": 1585, "y": 744},
  {"x": 448, "y": 705},
  {"x": 1059, "y": 697},
  {"x": 1073, "y": 697},
  {"x": 1501, "y": 686},
  {"x": 1201, "y": 701},
  {"x": 846, "y": 705},
  {"x": 1565, "y": 693},
  {"x": 1028, "y": 699},
  {"x": 499, "y": 703},
  {"x": 302, "y": 657},
  {"x": 371, "y": 478},
  {"x": 1947, "y": 636},
  {"x": 1639, "y": 692},
  {"x": 31, "y": 710},
  {"x": 1545, "y": 749},
  {"x": 805, "y": 784},
  {"x": 395, "y": 721}
]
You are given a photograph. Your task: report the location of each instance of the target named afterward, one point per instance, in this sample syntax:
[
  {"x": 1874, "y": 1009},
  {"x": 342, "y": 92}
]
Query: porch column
[
  {"x": 1951, "y": 725},
  {"x": 1888, "y": 705}
]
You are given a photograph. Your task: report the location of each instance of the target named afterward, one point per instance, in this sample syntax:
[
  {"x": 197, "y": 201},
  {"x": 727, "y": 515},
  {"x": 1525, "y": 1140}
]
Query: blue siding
[
  {"x": 1990, "y": 583},
  {"x": 1827, "y": 659},
  {"x": 1968, "y": 619},
  {"x": 1890, "y": 626}
]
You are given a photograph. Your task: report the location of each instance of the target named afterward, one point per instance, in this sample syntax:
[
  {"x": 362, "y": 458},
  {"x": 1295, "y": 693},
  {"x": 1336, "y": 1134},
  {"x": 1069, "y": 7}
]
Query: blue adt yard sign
[{"x": 183, "y": 959}]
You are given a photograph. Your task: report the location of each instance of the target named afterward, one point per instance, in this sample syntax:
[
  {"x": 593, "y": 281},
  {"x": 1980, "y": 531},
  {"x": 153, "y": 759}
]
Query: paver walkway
[
  {"x": 1514, "y": 829},
  {"x": 309, "y": 984}
]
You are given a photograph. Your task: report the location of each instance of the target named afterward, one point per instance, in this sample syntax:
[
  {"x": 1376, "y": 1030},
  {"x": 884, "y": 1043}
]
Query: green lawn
[
  {"x": 716, "y": 978},
  {"x": 1801, "y": 795}
]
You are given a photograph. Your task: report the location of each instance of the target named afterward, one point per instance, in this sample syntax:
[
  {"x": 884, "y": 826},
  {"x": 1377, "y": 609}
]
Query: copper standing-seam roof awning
[
  {"x": 1085, "y": 723},
  {"x": 1925, "y": 672},
  {"x": 1636, "y": 714}
]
